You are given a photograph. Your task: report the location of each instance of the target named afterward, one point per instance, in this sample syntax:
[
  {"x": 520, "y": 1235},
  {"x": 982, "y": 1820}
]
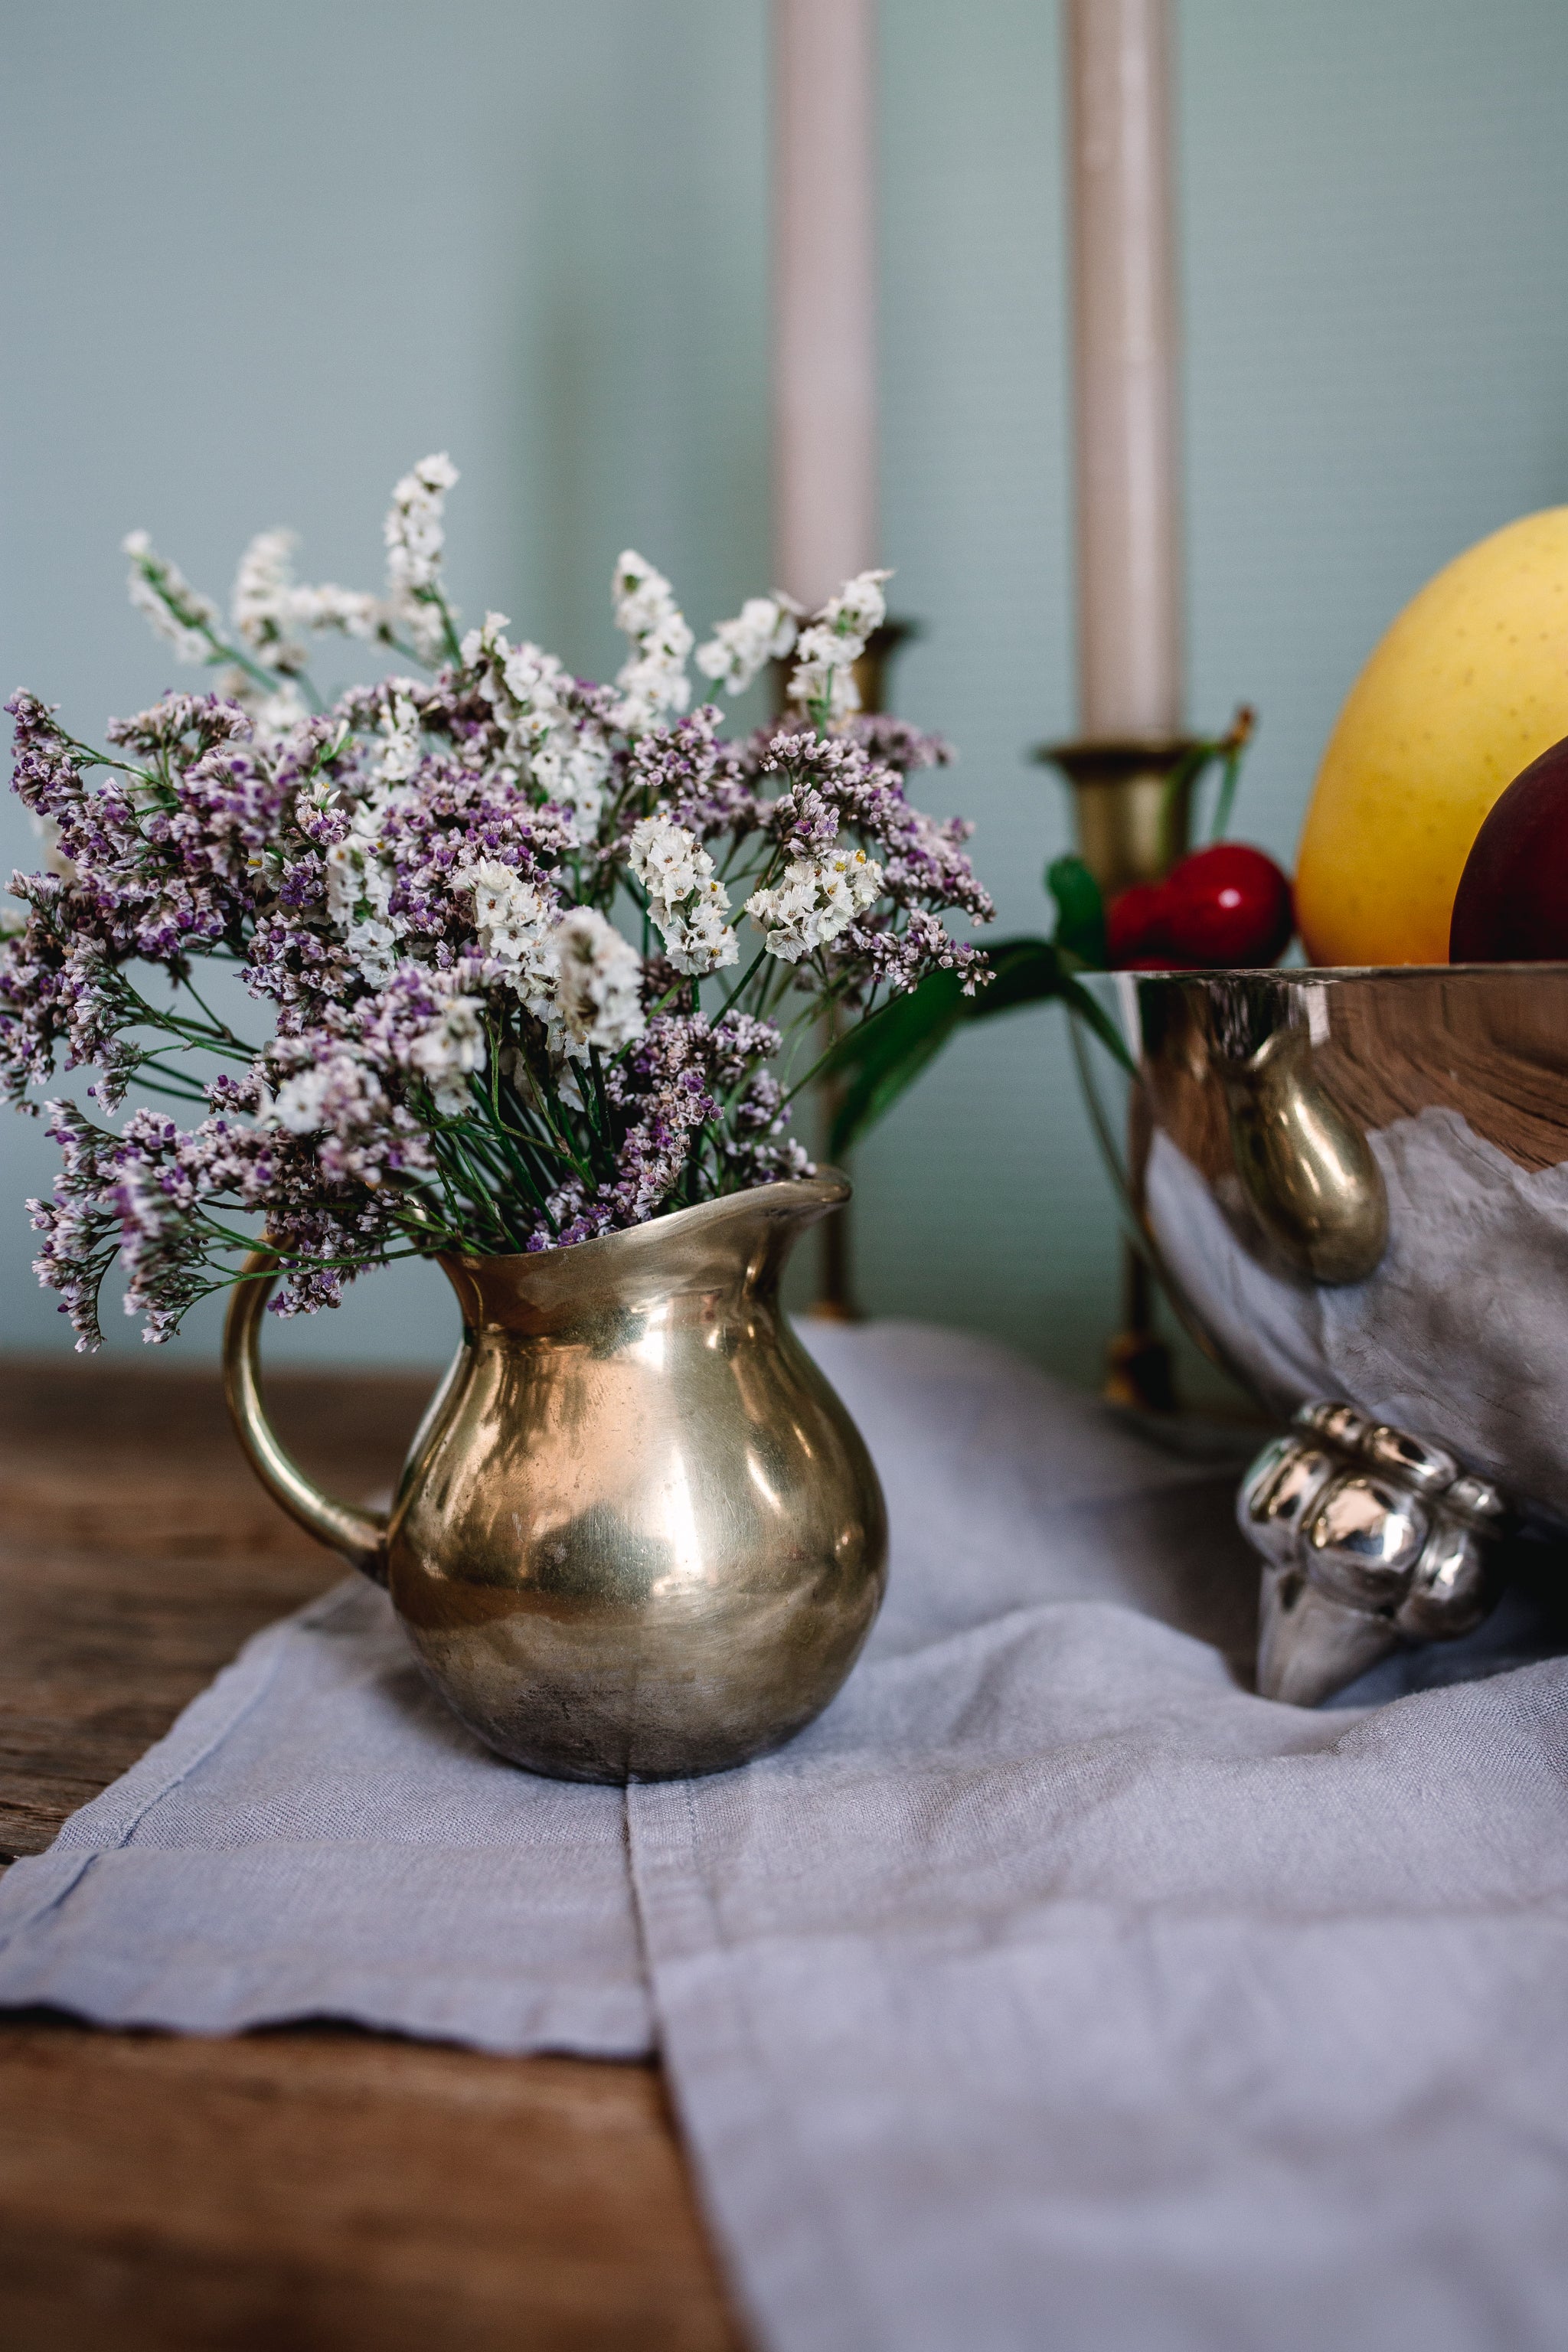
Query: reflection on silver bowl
[{"x": 1354, "y": 1185}]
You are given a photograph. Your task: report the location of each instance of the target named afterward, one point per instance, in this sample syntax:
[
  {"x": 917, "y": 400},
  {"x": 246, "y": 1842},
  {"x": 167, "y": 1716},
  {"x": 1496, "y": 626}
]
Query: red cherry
[
  {"x": 1511, "y": 905},
  {"x": 1135, "y": 927},
  {"x": 1228, "y": 904}
]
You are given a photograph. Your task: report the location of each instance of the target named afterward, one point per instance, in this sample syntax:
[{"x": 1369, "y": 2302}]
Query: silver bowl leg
[{"x": 1369, "y": 1540}]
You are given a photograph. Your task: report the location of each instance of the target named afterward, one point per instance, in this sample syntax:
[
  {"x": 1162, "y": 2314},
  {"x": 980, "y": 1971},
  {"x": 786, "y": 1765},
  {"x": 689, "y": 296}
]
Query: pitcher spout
[{"x": 737, "y": 1246}]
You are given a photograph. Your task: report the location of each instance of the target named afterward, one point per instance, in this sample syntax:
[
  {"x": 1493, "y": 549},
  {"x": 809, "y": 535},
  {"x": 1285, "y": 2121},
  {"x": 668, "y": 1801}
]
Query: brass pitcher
[{"x": 636, "y": 1536}]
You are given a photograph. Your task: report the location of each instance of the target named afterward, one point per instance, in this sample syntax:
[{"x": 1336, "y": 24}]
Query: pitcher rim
[{"x": 830, "y": 1188}]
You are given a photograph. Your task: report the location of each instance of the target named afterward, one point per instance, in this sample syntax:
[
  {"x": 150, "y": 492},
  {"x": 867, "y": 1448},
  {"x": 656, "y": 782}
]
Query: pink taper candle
[
  {"x": 1124, "y": 368},
  {"x": 824, "y": 305}
]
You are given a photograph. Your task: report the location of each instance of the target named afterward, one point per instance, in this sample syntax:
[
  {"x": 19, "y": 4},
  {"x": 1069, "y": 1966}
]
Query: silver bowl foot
[{"x": 1369, "y": 1540}]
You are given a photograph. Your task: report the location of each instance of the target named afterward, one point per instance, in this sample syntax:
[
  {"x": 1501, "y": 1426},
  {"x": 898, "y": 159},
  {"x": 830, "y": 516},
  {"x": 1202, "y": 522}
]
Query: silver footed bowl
[{"x": 1354, "y": 1185}]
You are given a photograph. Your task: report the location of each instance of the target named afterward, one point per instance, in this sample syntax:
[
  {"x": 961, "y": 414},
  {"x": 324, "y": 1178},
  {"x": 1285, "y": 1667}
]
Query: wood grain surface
[{"x": 308, "y": 2190}]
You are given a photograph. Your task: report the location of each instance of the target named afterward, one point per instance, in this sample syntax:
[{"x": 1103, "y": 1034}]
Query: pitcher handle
[{"x": 358, "y": 1535}]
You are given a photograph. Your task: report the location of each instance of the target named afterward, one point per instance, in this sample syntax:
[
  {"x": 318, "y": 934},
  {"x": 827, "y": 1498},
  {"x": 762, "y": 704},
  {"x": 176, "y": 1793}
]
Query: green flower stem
[{"x": 745, "y": 982}]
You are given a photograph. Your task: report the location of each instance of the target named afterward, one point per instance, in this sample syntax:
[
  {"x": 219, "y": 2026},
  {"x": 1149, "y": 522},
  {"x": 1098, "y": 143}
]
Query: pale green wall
[{"x": 257, "y": 260}]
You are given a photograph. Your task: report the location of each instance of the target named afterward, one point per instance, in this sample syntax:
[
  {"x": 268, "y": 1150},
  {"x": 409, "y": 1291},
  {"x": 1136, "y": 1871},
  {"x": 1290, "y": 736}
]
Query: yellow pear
[{"x": 1468, "y": 685}]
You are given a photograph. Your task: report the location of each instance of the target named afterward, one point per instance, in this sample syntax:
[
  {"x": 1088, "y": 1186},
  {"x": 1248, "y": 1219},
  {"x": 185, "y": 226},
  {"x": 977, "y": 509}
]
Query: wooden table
[{"x": 300, "y": 2190}]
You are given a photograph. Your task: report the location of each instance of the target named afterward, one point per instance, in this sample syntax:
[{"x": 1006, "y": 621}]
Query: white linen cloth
[
  {"x": 319, "y": 1837},
  {"x": 1050, "y": 1991}
]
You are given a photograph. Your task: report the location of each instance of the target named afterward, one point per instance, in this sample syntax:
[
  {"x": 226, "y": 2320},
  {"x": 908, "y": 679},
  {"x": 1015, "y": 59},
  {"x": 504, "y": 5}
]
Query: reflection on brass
[
  {"x": 1251, "y": 1092},
  {"x": 1307, "y": 1169},
  {"x": 874, "y": 670},
  {"x": 1138, "y": 1373},
  {"x": 1369, "y": 1538},
  {"x": 638, "y": 1536},
  {"x": 1130, "y": 827}
]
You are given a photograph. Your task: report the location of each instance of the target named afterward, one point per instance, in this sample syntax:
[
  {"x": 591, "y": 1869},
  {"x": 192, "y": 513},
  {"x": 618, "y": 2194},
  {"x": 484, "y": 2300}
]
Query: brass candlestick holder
[
  {"x": 1132, "y": 816},
  {"x": 1133, "y": 823}
]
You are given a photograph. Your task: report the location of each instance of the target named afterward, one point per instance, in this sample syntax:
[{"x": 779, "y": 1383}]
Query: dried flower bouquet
[{"x": 492, "y": 910}]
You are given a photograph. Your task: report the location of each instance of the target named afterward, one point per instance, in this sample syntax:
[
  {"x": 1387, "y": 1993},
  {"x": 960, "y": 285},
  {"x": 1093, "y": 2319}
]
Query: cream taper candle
[
  {"x": 1125, "y": 358},
  {"x": 824, "y": 307}
]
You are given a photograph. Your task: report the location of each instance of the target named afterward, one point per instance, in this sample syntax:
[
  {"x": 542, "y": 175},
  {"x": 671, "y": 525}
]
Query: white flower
[
  {"x": 514, "y": 923},
  {"x": 479, "y": 646},
  {"x": 447, "y": 1053},
  {"x": 353, "y": 610},
  {"x": 300, "y": 1104},
  {"x": 269, "y": 607},
  {"x": 414, "y": 534},
  {"x": 860, "y": 606},
  {"x": 359, "y": 886},
  {"x": 526, "y": 692},
  {"x": 402, "y": 731},
  {"x": 261, "y": 606},
  {"x": 373, "y": 946},
  {"x": 818, "y": 899},
  {"x": 600, "y": 983},
  {"x": 274, "y": 717},
  {"x": 572, "y": 768},
  {"x": 653, "y": 681},
  {"x": 533, "y": 680},
  {"x": 415, "y": 539},
  {"x": 643, "y": 596},
  {"x": 13, "y": 918},
  {"x": 527, "y": 688},
  {"x": 700, "y": 939},
  {"x": 763, "y": 631},
  {"x": 359, "y": 877},
  {"x": 667, "y": 859},
  {"x": 685, "y": 897},
  {"x": 827, "y": 651},
  {"x": 339, "y": 1094},
  {"x": 178, "y": 611}
]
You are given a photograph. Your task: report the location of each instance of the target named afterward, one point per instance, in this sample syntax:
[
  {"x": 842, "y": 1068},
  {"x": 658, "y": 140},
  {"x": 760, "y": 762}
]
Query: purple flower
[{"x": 393, "y": 972}]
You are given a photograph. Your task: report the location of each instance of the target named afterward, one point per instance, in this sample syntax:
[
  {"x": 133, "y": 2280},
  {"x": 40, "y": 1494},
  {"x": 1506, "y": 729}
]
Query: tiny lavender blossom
[{"x": 460, "y": 925}]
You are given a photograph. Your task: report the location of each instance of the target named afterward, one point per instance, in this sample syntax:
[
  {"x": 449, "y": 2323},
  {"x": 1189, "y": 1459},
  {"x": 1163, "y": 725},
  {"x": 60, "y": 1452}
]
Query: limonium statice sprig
[{"x": 527, "y": 958}]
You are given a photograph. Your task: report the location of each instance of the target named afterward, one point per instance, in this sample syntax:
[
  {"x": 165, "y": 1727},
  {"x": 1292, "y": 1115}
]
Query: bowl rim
[{"x": 1314, "y": 973}]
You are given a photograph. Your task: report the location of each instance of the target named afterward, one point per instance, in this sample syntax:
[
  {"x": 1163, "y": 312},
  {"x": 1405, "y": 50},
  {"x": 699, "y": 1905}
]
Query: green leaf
[
  {"x": 885, "y": 1055},
  {"x": 1036, "y": 971},
  {"x": 1080, "y": 910},
  {"x": 1088, "y": 1008},
  {"x": 1027, "y": 972}
]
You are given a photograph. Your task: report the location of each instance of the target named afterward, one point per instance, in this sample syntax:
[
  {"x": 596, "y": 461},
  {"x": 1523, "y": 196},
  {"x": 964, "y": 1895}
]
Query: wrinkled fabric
[
  {"x": 1052, "y": 1990},
  {"x": 319, "y": 1837}
]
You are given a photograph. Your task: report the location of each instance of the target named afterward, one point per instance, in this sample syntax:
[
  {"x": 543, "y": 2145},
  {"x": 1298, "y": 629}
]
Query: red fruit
[
  {"x": 1134, "y": 926},
  {"x": 1512, "y": 904},
  {"x": 1228, "y": 904}
]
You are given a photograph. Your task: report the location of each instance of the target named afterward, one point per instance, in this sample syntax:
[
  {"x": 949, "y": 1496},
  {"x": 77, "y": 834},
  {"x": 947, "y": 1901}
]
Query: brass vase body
[{"x": 636, "y": 1536}]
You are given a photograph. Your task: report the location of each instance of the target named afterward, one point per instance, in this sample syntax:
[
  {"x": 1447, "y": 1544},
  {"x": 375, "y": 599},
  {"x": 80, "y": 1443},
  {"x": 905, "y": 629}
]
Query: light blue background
[{"x": 258, "y": 261}]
